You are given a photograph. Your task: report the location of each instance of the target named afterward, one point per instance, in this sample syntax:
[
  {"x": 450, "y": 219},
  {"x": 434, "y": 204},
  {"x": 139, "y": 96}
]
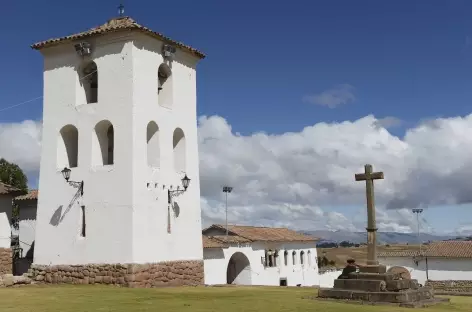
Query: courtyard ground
[{"x": 196, "y": 299}]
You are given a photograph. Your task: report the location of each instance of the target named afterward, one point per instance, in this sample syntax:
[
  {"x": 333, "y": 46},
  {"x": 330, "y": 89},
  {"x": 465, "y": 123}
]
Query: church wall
[
  {"x": 108, "y": 188},
  {"x": 439, "y": 269},
  {"x": 151, "y": 240},
  {"x": 27, "y": 225},
  {"x": 5, "y": 220},
  {"x": 327, "y": 278},
  {"x": 306, "y": 275}
]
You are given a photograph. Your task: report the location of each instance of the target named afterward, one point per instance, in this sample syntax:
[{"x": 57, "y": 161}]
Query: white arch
[
  {"x": 153, "y": 144},
  {"x": 239, "y": 270},
  {"x": 179, "y": 150},
  {"x": 68, "y": 147},
  {"x": 103, "y": 144},
  {"x": 165, "y": 86},
  {"x": 88, "y": 75}
]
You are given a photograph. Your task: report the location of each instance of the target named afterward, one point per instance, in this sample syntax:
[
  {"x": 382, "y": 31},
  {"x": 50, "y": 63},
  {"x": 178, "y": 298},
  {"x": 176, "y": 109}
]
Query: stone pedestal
[{"x": 374, "y": 285}]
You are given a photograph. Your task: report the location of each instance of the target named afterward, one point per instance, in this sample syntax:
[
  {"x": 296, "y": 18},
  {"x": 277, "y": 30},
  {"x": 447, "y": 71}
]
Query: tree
[
  {"x": 323, "y": 262},
  {"x": 12, "y": 174}
]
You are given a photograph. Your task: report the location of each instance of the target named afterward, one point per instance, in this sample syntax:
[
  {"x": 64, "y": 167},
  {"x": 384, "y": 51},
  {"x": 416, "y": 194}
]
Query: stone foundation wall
[
  {"x": 6, "y": 261},
  {"x": 172, "y": 273},
  {"x": 451, "y": 286}
]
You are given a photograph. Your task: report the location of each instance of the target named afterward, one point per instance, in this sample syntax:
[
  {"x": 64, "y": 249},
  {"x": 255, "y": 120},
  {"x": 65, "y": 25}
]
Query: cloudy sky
[{"x": 289, "y": 123}]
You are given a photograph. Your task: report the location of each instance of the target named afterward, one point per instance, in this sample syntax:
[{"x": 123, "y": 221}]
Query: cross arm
[{"x": 370, "y": 176}]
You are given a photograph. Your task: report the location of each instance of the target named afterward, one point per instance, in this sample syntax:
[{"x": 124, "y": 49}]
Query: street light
[
  {"x": 418, "y": 211},
  {"x": 80, "y": 185},
  {"x": 174, "y": 193},
  {"x": 226, "y": 190}
]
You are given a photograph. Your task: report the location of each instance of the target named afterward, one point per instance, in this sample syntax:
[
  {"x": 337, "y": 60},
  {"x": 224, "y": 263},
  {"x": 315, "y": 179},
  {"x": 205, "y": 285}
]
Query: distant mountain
[{"x": 382, "y": 237}]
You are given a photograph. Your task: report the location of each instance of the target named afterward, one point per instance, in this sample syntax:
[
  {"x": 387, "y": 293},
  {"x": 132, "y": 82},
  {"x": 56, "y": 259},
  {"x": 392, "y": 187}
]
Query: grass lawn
[{"x": 227, "y": 299}]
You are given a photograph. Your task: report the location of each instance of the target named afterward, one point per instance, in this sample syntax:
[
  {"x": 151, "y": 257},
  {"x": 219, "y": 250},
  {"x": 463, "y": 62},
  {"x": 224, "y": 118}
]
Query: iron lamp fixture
[
  {"x": 168, "y": 51},
  {"x": 83, "y": 48},
  {"x": 80, "y": 185},
  {"x": 174, "y": 193}
]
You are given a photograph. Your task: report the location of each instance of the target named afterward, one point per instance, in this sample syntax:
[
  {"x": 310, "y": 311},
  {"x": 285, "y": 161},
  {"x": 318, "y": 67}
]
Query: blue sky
[{"x": 410, "y": 60}]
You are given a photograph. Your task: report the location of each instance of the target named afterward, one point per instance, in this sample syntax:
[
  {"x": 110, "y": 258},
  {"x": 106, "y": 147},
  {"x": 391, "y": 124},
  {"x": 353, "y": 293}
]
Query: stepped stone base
[
  {"x": 172, "y": 273},
  {"x": 374, "y": 285}
]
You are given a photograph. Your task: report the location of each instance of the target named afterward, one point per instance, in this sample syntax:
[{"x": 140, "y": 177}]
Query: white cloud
[
  {"x": 341, "y": 94},
  {"x": 388, "y": 122},
  {"x": 465, "y": 230},
  {"x": 295, "y": 179},
  {"x": 21, "y": 143}
]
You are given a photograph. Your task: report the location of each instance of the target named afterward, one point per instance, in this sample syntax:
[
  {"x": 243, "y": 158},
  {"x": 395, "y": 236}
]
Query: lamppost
[
  {"x": 418, "y": 211},
  {"x": 226, "y": 190},
  {"x": 174, "y": 193},
  {"x": 80, "y": 185}
]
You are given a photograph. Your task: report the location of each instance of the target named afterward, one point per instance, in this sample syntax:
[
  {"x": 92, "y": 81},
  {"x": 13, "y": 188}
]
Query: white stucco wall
[
  {"x": 125, "y": 203},
  {"x": 27, "y": 225},
  {"x": 5, "y": 220},
  {"x": 216, "y": 264},
  {"x": 439, "y": 269},
  {"x": 327, "y": 278}
]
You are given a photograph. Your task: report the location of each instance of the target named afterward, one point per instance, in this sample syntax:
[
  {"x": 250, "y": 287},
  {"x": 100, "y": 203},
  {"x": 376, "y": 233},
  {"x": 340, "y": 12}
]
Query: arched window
[
  {"x": 164, "y": 85},
  {"x": 103, "y": 144},
  {"x": 68, "y": 147},
  {"x": 302, "y": 257},
  {"x": 89, "y": 81},
  {"x": 285, "y": 257},
  {"x": 179, "y": 143},
  {"x": 294, "y": 257},
  {"x": 153, "y": 148},
  {"x": 309, "y": 257}
]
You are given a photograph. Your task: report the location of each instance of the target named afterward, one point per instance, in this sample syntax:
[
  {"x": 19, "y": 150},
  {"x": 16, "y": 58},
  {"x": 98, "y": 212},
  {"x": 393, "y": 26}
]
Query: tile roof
[
  {"x": 114, "y": 25},
  {"x": 450, "y": 249},
  {"x": 32, "y": 195},
  {"x": 211, "y": 242},
  {"x": 254, "y": 233},
  {"x": 6, "y": 189},
  {"x": 445, "y": 249}
]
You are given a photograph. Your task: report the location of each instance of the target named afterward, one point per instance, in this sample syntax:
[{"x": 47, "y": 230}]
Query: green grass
[{"x": 227, "y": 299}]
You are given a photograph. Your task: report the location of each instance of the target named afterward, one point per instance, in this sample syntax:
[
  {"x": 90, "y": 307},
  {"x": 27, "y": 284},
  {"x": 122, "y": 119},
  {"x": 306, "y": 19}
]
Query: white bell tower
[{"x": 120, "y": 115}]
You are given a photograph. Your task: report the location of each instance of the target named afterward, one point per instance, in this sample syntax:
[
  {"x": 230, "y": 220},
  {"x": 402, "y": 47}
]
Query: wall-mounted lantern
[
  {"x": 174, "y": 193},
  {"x": 80, "y": 185}
]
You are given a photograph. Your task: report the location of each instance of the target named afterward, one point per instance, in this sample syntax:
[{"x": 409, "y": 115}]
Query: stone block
[
  {"x": 381, "y": 269},
  {"x": 335, "y": 293},
  {"x": 8, "y": 280},
  {"x": 357, "y": 284},
  {"x": 375, "y": 276},
  {"x": 398, "y": 285},
  {"x": 6, "y": 261},
  {"x": 414, "y": 284}
]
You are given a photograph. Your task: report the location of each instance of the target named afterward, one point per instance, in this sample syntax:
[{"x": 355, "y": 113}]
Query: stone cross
[{"x": 368, "y": 176}]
